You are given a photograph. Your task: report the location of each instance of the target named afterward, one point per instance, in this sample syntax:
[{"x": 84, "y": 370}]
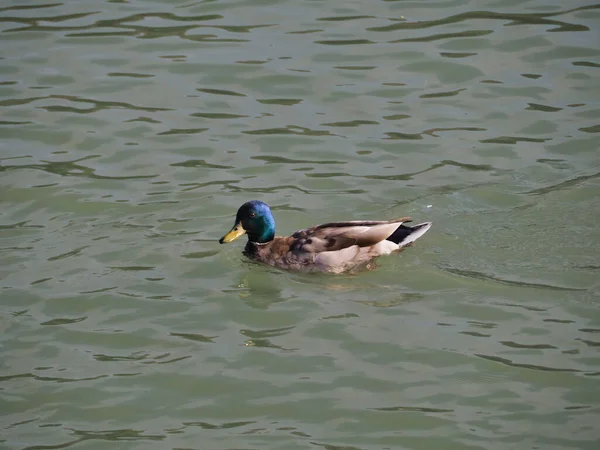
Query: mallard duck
[{"x": 332, "y": 247}]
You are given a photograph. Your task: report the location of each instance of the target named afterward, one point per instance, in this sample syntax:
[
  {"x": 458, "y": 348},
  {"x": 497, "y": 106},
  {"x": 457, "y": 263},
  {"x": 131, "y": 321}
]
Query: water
[{"x": 132, "y": 131}]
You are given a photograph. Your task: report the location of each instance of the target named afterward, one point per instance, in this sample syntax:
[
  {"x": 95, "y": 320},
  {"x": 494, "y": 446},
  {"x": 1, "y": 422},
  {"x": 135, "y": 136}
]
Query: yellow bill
[{"x": 235, "y": 233}]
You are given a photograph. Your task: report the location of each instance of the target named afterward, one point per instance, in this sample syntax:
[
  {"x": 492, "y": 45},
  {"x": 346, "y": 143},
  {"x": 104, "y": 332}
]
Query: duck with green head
[{"x": 334, "y": 247}]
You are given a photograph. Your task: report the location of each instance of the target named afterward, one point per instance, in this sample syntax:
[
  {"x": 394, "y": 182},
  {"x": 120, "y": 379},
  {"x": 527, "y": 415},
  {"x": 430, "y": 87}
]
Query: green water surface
[{"x": 131, "y": 131}]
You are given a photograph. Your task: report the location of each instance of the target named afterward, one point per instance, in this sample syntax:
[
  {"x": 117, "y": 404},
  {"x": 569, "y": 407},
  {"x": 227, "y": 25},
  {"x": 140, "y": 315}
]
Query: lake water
[{"x": 131, "y": 132}]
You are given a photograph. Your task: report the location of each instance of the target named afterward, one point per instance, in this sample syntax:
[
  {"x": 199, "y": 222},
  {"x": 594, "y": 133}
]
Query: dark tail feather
[{"x": 405, "y": 235}]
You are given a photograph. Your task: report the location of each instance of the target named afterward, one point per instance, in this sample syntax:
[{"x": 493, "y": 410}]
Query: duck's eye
[{"x": 252, "y": 215}]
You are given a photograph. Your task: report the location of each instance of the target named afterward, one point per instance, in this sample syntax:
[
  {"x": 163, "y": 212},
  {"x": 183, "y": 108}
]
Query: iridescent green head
[{"x": 254, "y": 218}]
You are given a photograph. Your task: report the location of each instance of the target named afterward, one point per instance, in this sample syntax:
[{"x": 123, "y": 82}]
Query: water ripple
[
  {"x": 195, "y": 337},
  {"x": 487, "y": 277},
  {"x": 413, "y": 409},
  {"x": 510, "y": 363},
  {"x": 563, "y": 185},
  {"x": 71, "y": 169},
  {"x": 444, "y": 36},
  {"x": 97, "y": 104},
  {"x": 510, "y": 18}
]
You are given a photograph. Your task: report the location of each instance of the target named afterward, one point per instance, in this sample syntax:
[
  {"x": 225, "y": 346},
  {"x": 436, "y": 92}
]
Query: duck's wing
[{"x": 336, "y": 236}]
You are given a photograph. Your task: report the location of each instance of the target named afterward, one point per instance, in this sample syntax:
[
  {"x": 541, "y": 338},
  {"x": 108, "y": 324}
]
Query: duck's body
[{"x": 332, "y": 247}]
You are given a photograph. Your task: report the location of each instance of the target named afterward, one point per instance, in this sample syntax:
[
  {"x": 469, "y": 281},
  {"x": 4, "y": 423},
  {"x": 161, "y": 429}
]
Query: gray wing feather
[{"x": 333, "y": 237}]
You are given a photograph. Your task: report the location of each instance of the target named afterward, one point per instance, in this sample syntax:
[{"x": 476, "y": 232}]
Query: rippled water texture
[{"x": 131, "y": 131}]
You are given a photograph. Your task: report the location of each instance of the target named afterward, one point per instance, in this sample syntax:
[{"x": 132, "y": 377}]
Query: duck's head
[{"x": 255, "y": 219}]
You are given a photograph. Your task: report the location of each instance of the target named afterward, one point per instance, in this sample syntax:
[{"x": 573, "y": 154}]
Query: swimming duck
[{"x": 334, "y": 247}]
